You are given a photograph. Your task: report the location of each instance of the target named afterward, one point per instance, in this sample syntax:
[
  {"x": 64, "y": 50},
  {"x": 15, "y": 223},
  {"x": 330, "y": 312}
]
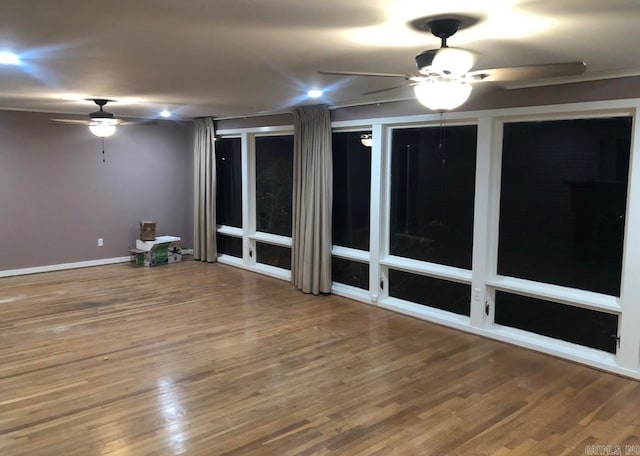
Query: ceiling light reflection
[
  {"x": 501, "y": 19},
  {"x": 9, "y": 58}
]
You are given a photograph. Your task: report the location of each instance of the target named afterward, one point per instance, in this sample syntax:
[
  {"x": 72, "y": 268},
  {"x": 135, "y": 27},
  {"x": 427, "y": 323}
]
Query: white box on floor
[{"x": 146, "y": 245}]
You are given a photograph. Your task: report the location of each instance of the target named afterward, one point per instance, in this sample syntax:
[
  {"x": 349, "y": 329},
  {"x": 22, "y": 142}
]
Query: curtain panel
[
  {"x": 312, "y": 200},
  {"x": 204, "y": 158}
]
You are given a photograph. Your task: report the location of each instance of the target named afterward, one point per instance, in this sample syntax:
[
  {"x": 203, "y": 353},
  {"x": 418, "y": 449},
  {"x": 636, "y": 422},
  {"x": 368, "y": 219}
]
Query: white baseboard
[{"x": 61, "y": 267}]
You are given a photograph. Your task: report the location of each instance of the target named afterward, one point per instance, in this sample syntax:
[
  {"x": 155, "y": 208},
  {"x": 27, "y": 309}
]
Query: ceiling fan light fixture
[
  {"x": 442, "y": 94},
  {"x": 453, "y": 61},
  {"x": 102, "y": 128},
  {"x": 366, "y": 140}
]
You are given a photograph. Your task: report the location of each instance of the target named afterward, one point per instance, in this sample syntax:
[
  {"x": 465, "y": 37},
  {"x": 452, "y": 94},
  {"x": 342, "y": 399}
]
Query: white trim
[
  {"x": 629, "y": 352},
  {"x": 347, "y": 291},
  {"x": 557, "y": 293},
  {"x": 255, "y": 130},
  {"x": 523, "y": 111},
  {"x": 268, "y": 238},
  {"x": 439, "y": 271},
  {"x": 347, "y": 253},
  {"x": 271, "y": 271},
  {"x": 485, "y": 145},
  {"x": 248, "y": 197},
  {"x": 64, "y": 266},
  {"x": 555, "y": 347},
  {"x": 229, "y": 230},
  {"x": 559, "y": 348},
  {"x": 376, "y": 211},
  {"x": 426, "y": 313},
  {"x": 230, "y": 260}
]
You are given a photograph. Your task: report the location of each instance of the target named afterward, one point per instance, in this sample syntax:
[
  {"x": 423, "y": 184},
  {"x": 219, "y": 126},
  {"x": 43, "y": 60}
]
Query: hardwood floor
[{"x": 201, "y": 359}]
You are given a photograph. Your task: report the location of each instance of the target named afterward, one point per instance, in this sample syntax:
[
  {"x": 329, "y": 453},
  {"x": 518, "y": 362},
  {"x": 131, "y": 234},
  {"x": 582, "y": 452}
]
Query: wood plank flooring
[{"x": 206, "y": 359}]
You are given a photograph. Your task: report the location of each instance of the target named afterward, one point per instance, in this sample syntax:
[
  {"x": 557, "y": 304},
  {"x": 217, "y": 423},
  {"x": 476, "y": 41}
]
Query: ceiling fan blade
[
  {"x": 373, "y": 92},
  {"x": 543, "y": 71},
  {"x": 69, "y": 122},
  {"x": 125, "y": 122},
  {"x": 358, "y": 73}
]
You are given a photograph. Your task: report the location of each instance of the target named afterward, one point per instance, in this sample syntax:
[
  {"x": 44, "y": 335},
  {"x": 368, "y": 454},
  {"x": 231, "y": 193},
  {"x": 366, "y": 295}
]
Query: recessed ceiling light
[
  {"x": 165, "y": 113},
  {"x": 315, "y": 93},
  {"x": 9, "y": 58}
]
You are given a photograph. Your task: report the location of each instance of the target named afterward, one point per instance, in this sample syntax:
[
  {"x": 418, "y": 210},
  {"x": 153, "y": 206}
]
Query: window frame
[{"x": 483, "y": 276}]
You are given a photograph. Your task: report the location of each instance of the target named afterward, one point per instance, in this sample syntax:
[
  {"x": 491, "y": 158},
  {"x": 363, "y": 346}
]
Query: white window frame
[{"x": 482, "y": 277}]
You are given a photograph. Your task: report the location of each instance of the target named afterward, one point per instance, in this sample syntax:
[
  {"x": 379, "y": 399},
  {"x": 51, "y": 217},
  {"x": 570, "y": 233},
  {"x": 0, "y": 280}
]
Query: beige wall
[{"x": 57, "y": 197}]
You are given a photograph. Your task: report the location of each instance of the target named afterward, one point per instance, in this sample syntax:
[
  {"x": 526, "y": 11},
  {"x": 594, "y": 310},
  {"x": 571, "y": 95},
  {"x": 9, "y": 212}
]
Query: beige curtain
[
  {"x": 204, "y": 211},
  {"x": 312, "y": 200}
]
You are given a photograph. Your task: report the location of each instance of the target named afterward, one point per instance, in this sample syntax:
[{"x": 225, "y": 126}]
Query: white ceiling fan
[
  {"x": 445, "y": 74},
  {"x": 101, "y": 123}
]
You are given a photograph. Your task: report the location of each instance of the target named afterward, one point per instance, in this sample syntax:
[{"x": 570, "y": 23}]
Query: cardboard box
[
  {"x": 147, "y": 245},
  {"x": 160, "y": 253},
  {"x": 147, "y": 231}
]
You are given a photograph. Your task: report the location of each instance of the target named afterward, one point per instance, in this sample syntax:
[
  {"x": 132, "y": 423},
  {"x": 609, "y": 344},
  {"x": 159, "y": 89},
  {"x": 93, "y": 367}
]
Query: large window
[
  {"x": 432, "y": 194},
  {"x": 563, "y": 200},
  {"x": 274, "y": 181},
  {"x": 228, "y": 182},
  {"x": 351, "y": 190}
]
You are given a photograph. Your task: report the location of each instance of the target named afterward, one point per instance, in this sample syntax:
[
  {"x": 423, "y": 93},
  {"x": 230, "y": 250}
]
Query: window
[
  {"x": 350, "y": 272},
  {"x": 229, "y": 245},
  {"x": 572, "y": 324},
  {"x": 228, "y": 182},
  {"x": 351, "y": 190},
  {"x": 563, "y": 200},
  {"x": 440, "y": 294},
  {"x": 432, "y": 194},
  {"x": 273, "y": 255},
  {"x": 274, "y": 184}
]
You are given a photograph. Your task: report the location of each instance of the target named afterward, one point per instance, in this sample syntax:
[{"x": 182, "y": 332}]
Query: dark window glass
[
  {"x": 229, "y": 245},
  {"x": 432, "y": 192},
  {"x": 349, "y": 272},
  {"x": 563, "y": 200},
  {"x": 351, "y": 190},
  {"x": 572, "y": 324},
  {"x": 440, "y": 294},
  {"x": 274, "y": 180},
  {"x": 273, "y": 255},
  {"x": 228, "y": 182}
]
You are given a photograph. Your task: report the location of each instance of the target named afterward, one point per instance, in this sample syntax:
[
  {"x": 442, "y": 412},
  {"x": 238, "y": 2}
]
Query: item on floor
[
  {"x": 161, "y": 250},
  {"x": 147, "y": 231}
]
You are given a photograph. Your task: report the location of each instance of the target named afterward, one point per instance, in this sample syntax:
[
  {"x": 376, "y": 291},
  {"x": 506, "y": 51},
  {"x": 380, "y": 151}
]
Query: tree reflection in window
[
  {"x": 274, "y": 181},
  {"x": 432, "y": 194}
]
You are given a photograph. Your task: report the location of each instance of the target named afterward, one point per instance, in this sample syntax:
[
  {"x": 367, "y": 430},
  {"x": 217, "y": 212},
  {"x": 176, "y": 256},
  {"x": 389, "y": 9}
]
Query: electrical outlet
[{"x": 100, "y": 242}]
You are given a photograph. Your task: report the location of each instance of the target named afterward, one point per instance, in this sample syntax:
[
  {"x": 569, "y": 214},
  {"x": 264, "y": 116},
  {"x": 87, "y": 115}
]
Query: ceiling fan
[
  {"x": 101, "y": 123},
  {"x": 445, "y": 76}
]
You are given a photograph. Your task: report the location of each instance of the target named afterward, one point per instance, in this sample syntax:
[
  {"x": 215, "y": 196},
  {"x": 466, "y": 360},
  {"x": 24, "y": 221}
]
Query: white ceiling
[{"x": 229, "y": 58}]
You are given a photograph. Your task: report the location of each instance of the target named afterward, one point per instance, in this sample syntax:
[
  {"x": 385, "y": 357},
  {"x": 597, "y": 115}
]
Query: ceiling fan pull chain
[
  {"x": 103, "y": 161},
  {"x": 441, "y": 145}
]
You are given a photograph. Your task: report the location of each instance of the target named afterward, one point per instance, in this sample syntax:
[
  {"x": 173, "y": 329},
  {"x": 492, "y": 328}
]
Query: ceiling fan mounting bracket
[
  {"x": 444, "y": 28},
  {"x": 426, "y": 24}
]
